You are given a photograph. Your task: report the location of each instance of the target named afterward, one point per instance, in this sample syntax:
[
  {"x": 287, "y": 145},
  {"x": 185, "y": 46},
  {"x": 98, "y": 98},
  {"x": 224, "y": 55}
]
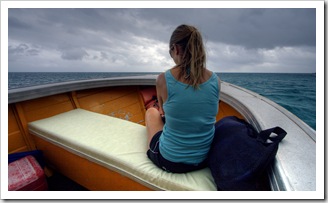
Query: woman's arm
[{"x": 161, "y": 91}]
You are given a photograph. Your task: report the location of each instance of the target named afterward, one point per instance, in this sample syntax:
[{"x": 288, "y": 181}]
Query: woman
[{"x": 188, "y": 96}]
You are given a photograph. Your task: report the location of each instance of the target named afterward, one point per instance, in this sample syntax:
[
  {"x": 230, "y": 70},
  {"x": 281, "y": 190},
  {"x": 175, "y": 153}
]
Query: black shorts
[{"x": 155, "y": 156}]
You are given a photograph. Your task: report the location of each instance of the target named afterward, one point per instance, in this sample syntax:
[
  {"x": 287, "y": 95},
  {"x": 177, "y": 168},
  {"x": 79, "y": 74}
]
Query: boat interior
[
  {"x": 123, "y": 102},
  {"x": 120, "y": 102},
  {"x": 92, "y": 135}
]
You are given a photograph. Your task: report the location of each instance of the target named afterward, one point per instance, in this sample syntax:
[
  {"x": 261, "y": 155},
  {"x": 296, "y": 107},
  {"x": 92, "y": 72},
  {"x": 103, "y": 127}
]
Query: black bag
[{"x": 239, "y": 155}]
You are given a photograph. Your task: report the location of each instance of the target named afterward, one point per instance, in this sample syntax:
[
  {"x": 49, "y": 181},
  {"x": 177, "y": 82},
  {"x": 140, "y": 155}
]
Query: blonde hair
[{"x": 193, "y": 60}]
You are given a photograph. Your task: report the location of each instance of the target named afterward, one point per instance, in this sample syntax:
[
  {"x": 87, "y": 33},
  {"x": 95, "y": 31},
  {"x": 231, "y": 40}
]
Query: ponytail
[{"x": 193, "y": 60}]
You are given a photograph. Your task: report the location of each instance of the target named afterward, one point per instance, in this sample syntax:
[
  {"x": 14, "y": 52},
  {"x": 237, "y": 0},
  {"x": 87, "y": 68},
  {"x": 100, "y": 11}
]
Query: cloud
[
  {"x": 233, "y": 58},
  {"x": 251, "y": 28},
  {"x": 73, "y": 54},
  {"x": 22, "y": 49},
  {"x": 244, "y": 40}
]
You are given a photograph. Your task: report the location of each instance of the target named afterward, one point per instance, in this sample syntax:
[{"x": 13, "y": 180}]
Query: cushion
[{"x": 117, "y": 144}]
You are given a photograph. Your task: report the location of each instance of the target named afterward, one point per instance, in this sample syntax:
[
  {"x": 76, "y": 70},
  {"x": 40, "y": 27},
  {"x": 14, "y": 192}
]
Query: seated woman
[{"x": 188, "y": 96}]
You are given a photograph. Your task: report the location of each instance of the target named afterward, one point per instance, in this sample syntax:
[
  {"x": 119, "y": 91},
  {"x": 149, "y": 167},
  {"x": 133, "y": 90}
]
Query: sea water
[{"x": 294, "y": 91}]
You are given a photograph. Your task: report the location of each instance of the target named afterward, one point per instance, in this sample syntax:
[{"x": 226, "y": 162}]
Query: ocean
[{"x": 294, "y": 91}]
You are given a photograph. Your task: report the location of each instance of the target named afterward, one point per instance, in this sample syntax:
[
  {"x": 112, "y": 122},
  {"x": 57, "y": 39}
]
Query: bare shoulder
[
  {"x": 160, "y": 81},
  {"x": 208, "y": 74}
]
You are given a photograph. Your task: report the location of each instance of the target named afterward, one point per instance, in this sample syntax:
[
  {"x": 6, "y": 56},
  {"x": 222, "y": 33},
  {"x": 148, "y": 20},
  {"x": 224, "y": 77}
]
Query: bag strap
[{"x": 266, "y": 136}]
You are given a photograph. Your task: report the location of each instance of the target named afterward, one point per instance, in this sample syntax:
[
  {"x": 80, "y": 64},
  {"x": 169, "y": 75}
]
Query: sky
[{"x": 136, "y": 39}]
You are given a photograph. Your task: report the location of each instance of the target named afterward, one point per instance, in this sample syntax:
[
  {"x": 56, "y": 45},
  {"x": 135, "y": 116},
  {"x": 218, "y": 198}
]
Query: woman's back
[{"x": 190, "y": 117}]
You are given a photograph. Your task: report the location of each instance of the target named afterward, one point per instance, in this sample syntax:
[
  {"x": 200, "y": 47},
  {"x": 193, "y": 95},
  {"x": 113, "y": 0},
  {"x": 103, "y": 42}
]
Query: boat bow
[{"x": 294, "y": 168}]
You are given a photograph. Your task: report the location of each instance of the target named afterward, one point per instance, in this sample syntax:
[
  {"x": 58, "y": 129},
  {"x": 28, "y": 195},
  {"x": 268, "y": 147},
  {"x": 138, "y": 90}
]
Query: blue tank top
[{"x": 190, "y": 117}]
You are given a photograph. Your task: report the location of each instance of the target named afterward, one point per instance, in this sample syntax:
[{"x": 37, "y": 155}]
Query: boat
[{"x": 93, "y": 132}]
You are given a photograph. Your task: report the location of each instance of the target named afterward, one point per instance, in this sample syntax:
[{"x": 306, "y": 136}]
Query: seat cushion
[{"x": 117, "y": 144}]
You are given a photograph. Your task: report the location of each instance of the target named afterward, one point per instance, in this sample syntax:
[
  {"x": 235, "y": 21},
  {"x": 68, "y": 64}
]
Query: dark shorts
[{"x": 156, "y": 157}]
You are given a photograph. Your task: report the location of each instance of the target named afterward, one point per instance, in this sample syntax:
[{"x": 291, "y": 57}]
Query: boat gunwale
[{"x": 33, "y": 92}]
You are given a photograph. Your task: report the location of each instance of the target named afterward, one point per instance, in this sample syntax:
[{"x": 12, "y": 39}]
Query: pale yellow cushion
[{"x": 117, "y": 144}]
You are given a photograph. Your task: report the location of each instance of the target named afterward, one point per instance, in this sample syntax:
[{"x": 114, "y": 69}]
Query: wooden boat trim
[{"x": 295, "y": 165}]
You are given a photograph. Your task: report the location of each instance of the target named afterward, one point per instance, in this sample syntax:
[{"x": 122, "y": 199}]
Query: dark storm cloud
[
  {"x": 252, "y": 28},
  {"x": 119, "y": 39}
]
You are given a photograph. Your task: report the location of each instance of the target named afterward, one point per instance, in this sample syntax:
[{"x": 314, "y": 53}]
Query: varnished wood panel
[
  {"x": 120, "y": 102},
  {"x": 90, "y": 98},
  {"x": 45, "y": 107},
  {"x": 12, "y": 123},
  {"x": 44, "y": 102},
  {"x": 16, "y": 142},
  {"x": 88, "y": 92},
  {"x": 20, "y": 114},
  {"x": 226, "y": 110},
  {"x": 130, "y": 113}
]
